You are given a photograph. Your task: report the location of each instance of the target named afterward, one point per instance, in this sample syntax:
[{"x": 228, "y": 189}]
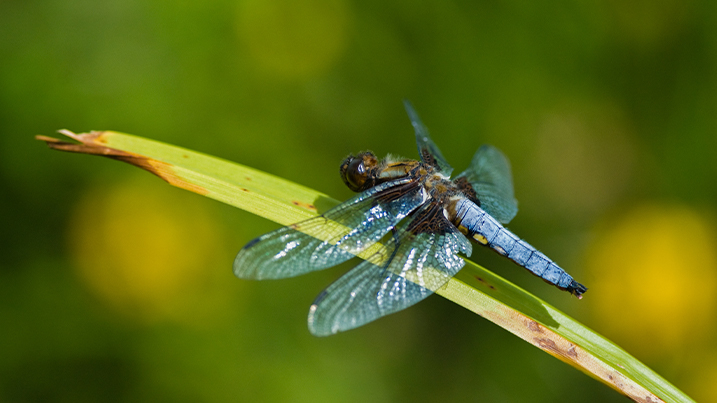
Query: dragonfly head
[{"x": 358, "y": 172}]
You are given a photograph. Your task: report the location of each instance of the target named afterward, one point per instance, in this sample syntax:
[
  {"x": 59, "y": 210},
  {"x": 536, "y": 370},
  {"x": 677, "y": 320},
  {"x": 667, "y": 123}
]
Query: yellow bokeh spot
[
  {"x": 654, "y": 277},
  {"x": 293, "y": 39},
  {"x": 146, "y": 252}
]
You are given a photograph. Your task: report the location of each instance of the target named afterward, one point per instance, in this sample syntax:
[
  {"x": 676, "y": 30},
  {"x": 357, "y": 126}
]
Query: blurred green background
[{"x": 116, "y": 287}]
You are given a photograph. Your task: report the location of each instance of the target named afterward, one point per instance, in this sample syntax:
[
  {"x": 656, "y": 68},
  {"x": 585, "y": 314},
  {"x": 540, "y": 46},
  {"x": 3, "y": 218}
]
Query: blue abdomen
[{"x": 480, "y": 226}]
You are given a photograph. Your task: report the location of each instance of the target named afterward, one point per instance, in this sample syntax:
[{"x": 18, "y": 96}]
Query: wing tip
[
  {"x": 239, "y": 268},
  {"x": 313, "y": 320},
  {"x": 407, "y": 104},
  {"x": 246, "y": 266},
  {"x": 413, "y": 115}
]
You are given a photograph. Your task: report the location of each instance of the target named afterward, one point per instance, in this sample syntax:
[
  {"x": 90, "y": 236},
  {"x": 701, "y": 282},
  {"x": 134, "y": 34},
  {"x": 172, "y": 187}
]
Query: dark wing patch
[{"x": 467, "y": 189}]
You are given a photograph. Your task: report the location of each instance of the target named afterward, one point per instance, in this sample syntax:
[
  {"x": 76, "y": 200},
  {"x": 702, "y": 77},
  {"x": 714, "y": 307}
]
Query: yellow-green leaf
[{"x": 474, "y": 288}]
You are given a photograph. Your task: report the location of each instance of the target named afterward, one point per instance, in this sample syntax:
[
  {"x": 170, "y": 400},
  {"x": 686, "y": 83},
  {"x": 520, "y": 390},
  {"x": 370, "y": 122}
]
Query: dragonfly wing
[
  {"x": 331, "y": 238},
  {"x": 421, "y": 257},
  {"x": 427, "y": 149},
  {"x": 490, "y": 177}
]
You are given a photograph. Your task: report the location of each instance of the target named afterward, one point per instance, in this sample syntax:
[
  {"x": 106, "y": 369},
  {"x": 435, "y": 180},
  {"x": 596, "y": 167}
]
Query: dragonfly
[{"x": 409, "y": 221}]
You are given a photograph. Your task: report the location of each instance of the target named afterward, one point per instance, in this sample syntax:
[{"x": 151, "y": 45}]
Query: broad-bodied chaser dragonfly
[{"x": 409, "y": 222}]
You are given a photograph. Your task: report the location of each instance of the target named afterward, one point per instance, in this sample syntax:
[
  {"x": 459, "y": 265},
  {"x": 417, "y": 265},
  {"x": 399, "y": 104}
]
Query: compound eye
[{"x": 356, "y": 174}]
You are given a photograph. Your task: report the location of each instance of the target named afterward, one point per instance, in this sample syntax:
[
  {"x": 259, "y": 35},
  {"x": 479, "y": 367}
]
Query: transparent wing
[
  {"x": 490, "y": 177},
  {"x": 331, "y": 238},
  {"x": 427, "y": 149},
  {"x": 419, "y": 259}
]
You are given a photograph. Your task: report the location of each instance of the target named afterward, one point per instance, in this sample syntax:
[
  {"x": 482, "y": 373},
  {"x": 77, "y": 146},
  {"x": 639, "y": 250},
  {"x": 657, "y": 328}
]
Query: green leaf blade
[{"x": 474, "y": 288}]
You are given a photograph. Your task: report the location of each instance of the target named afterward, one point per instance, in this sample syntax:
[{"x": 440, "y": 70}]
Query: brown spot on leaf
[
  {"x": 307, "y": 206},
  {"x": 485, "y": 282},
  {"x": 535, "y": 327},
  {"x": 572, "y": 352},
  {"x": 548, "y": 345},
  {"x": 92, "y": 143},
  {"x": 568, "y": 351}
]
